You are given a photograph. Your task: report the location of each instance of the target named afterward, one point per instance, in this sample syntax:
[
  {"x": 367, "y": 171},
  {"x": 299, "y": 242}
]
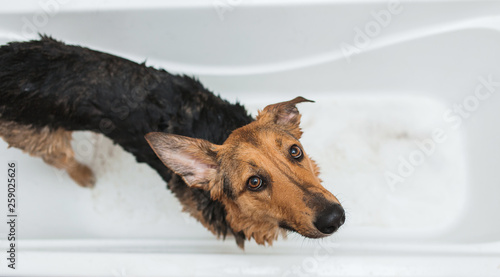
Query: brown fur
[
  {"x": 294, "y": 195},
  {"x": 283, "y": 202},
  {"x": 53, "y": 146}
]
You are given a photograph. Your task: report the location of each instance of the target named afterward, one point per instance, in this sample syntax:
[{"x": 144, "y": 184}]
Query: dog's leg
[{"x": 53, "y": 146}]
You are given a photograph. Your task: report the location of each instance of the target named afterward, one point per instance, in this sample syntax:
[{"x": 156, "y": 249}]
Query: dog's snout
[{"x": 330, "y": 219}]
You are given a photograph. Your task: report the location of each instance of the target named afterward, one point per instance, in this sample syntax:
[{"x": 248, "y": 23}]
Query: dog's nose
[{"x": 330, "y": 219}]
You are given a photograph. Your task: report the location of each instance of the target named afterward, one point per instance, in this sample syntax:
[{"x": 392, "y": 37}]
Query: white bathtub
[{"x": 385, "y": 90}]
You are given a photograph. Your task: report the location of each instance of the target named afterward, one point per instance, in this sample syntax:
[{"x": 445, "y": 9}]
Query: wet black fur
[{"x": 47, "y": 83}]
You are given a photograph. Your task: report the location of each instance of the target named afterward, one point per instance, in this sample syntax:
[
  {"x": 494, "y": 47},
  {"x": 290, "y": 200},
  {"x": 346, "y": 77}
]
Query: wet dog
[{"x": 239, "y": 176}]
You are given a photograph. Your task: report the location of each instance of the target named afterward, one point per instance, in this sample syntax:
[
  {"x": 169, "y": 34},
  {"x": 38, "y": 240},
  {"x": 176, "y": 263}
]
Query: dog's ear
[
  {"x": 193, "y": 159},
  {"x": 284, "y": 114}
]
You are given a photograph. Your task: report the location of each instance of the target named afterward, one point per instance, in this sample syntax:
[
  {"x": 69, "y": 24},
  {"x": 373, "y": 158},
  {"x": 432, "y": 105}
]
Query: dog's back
[{"x": 47, "y": 83}]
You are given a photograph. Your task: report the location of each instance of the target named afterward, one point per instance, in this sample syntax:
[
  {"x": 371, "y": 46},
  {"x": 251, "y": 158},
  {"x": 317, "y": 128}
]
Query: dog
[{"x": 241, "y": 177}]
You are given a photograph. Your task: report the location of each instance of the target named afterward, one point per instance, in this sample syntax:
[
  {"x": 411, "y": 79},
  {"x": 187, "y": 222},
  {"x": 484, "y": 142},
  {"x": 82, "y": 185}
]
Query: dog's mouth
[
  {"x": 316, "y": 234},
  {"x": 287, "y": 227}
]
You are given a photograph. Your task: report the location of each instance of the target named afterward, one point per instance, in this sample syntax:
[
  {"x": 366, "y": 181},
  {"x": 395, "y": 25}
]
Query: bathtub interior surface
[
  {"x": 358, "y": 141},
  {"x": 374, "y": 111}
]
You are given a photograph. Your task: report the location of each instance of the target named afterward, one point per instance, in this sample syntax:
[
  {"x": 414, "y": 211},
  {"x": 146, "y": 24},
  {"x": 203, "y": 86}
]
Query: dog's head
[{"x": 261, "y": 174}]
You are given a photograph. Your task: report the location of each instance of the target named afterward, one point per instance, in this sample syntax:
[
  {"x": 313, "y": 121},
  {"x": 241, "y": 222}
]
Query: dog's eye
[
  {"x": 295, "y": 152},
  {"x": 254, "y": 183}
]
